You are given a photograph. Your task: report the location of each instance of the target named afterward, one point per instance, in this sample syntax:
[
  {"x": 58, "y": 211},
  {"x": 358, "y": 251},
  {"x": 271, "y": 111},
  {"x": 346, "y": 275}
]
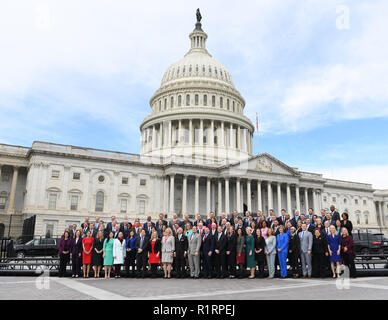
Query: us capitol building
[{"x": 196, "y": 157}]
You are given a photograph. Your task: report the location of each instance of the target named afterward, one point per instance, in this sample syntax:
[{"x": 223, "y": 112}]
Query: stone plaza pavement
[{"x": 54, "y": 288}]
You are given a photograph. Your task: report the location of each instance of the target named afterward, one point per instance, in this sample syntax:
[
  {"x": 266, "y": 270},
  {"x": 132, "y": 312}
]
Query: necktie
[{"x": 302, "y": 234}]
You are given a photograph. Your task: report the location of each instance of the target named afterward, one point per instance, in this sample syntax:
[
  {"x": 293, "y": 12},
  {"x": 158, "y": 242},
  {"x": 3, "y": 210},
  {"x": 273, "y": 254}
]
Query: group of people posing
[{"x": 314, "y": 246}]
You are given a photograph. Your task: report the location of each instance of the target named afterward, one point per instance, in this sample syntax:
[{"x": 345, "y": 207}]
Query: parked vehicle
[
  {"x": 370, "y": 243},
  {"x": 38, "y": 248}
]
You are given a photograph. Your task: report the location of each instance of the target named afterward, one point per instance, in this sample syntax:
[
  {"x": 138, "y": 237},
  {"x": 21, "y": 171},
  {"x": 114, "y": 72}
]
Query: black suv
[
  {"x": 38, "y": 248},
  {"x": 370, "y": 243}
]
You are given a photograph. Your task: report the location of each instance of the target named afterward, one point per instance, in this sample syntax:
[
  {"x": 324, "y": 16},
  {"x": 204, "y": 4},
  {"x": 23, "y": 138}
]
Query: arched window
[
  {"x": 184, "y": 69},
  {"x": 196, "y": 99},
  {"x": 187, "y": 100},
  {"x": 100, "y": 201},
  {"x": 213, "y": 101},
  {"x": 203, "y": 68},
  {"x": 227, "y": 104},
  {"x": 172, "y": 102},
  {"x": 179, "y": 101},
  {"x": 221, "y": 102},
  {"x": 233, "y": 106},
  {"x": 160, "y": 105},
  {"x": 196, "y": 68},
  {"x": 205, "y": 100},
  {"x": 165, "y": 103},
  {"x": 190, "y": 69}
]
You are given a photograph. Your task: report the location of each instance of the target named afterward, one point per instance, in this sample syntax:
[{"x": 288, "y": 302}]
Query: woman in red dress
[
  {"x": 87, "y": 247},
  {"x": 154, "y": 253}
]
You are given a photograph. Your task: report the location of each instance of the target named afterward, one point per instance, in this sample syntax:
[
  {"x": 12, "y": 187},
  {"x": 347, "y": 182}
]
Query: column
[
  {"x": 165, "y": 195},
  {"x": 288, "y": 198},
  {"x": 279, "y": 194},
  {"x": 219, "y": 209},
  {"x": 238, "y": 201},
  {"x": 238, "y": 138},
  {"x": 297, "y": 199},
  {"x": 184, "y": 194},
  {"x": 191, "y": 132},
  {"x": 231, "y": 135},
  {"x": 245, "y": 144},
  {"x": 11, "y": 207},
  {"x": 227, "y": 211},
  {"x": 249, "y": 204},
  {"x": 270, "y": 200},
  {"x": 169, "y": 134},
  {"x": 382, "y": 204},
  {"x": 306, "y": 199},
  {"x": 314, "y": 200},
  {"x": 172, "y": 194},
  {"x": 201, "y": 132},
  {"x": 208, "y": 181},
  {"x": 179, "y": 132},
  {"x": 222, "y": 135},
  {"x": 160, "y": 135},
  {"x": 211, "y": 135},
  {"x": 259, "y": 202},
  {"x": 196, "y": 195}
]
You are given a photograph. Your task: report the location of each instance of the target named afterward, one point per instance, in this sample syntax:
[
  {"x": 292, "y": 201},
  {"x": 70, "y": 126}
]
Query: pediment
[{"x": 265, "y": 163}]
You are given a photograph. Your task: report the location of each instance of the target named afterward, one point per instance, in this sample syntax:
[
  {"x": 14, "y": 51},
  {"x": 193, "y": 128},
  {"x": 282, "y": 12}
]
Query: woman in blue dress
[
  {"x": 334, "y": 246},
  {"x": 282, "y": 249}
]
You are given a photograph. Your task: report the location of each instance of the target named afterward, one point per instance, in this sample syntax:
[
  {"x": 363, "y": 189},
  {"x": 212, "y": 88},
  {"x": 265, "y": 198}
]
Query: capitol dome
[{"x": 197, "y": 113}]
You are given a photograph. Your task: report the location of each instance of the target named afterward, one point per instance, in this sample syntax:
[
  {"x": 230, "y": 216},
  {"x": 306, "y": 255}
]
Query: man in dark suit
[
  {"x": 208, "y": 244},
  {"x": 141, "y": 247},
  {"x": 295, "y": 218},
  {"x": 161, "y": 217},
  {"x": 116, "y": 231},
  {"x": 259, "y": 219},
  {"x": 198, "y": 220},
  {"x": 234, "y": 215},
  {"x": 222, "y": 217},
  {"x": 334, "y": 214},
  {"x": 310, "y": 214},
  {"x": 149, "y": 221},
  {"x": 174, "y": 221},
  {"x": 220, "y": 254},
  {"x": 109, "y": 224},
  {"x": 92, "y": 230},
  {"x": 73, "y": 231},
  {"x": 209, "y": 220},
  {"x": 282, "y": 218},
  {"x": 246, "y": 221},
  {"x": 148, "y": 228},
  {"x": 329, "y": 219},
  {"x": 180, "y": 253},
  {"x": 214, "y": 231},
  {"x": 240, "y": 225},
  {"x": 125, "y": 226}
]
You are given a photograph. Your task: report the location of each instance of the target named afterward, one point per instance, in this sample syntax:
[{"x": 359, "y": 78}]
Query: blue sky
[{"x": 82, "y": 73}]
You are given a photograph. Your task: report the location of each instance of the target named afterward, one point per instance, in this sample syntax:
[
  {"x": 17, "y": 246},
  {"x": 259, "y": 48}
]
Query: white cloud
[{"x": 376, "y": 175}]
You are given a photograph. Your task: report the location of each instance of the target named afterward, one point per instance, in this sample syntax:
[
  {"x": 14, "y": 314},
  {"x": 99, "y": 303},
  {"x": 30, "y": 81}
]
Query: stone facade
[{"x": 196, "y": 157}]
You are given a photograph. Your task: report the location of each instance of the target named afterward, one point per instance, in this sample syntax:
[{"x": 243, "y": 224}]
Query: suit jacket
[
  {"x": 220, "y": 243},
  {"x": 145, "y": 245},
  {"x": 294, "y": 221},
  {"x": 294, "y": 244},
  {"x": 179, "y": 222},
  {"x": 181, "y": 245},
  {"x": 270, "y": 245},
  {"x": 157, "y": 246},
  {"x": 76, "y": 248},
  {"x": 280, "y": 219},
  {"x": 62, "y": 245},
  {"x": 169, "y": 245},
  {"x": 231, "y": 244},
  {"x": 208, "y": 244},
  {"x": 306, "y": 242},
  {"x": 335, "y": 216},
  {"x": 148, "y": 232},
  {"x": 194, "y": 243}
]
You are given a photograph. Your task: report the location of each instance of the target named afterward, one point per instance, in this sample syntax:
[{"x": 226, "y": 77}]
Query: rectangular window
[
  {"x": 142, "y": 206},
  {"x": 196, "y": 99},
  {"x": 74, "y": 203},
  {"x": 356, "y": 201},
  {"x": 124, "y": 180},
  {"x": 142, "y": 182},
  {"x": 187, "y": 100},
  {"x": 55, "y": 174},
  {"x": 205, "y": 100},
  {"x": 52, "y": 201},
  {"x": 334, "y": 199},
  {"x": 2, "y": 202},
  {"x": 76, "y": 176},
  {"x": 364, "y": 202},
  {"x": 221, "y": 102},
  {"x": 213, "y": 101},
  {"x": 123, "y": 205}
]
